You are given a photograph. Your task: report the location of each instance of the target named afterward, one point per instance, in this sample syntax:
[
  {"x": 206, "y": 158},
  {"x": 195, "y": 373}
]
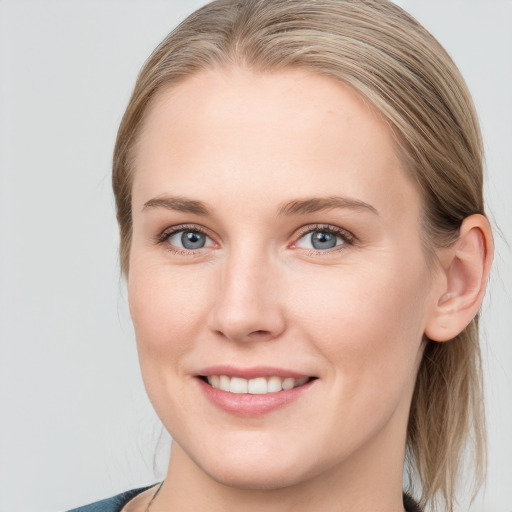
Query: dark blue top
[{"x": 116, "y": 503}]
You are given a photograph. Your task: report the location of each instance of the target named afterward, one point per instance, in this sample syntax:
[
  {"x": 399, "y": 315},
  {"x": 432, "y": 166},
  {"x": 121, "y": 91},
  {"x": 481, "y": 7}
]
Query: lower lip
[{"x": 245, "y": 404}]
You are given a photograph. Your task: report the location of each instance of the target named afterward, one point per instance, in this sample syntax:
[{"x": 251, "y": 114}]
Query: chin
[
  {"x": 254, "y": 477},
  {"x": 263, "y": 470}
]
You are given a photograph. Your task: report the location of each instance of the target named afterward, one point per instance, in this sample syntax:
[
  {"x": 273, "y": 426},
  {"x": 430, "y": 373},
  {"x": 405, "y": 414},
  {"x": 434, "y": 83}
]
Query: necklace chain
[{"x": 154, "y": 496}]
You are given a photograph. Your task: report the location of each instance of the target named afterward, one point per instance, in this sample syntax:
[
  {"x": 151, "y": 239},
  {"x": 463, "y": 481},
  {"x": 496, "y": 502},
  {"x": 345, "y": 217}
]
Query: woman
[{"x": 299, "y": 194}]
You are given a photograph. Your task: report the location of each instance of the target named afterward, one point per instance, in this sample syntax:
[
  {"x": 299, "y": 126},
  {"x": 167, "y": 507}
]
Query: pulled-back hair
[{"x": 397, "y": 67}]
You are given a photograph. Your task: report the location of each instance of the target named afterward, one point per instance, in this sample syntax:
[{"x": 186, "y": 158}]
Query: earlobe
[{"x": 465, "y": 268}]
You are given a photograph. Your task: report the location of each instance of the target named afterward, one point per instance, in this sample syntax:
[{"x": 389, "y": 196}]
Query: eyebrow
[
  {"x": 294, "y": 207},
  {"x": 181, "y": 204},
  {"x": 317, "y": 204}
]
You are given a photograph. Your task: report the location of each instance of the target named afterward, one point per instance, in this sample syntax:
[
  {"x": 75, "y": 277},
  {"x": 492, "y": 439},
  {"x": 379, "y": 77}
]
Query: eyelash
[{"x": 348, "y": 238}]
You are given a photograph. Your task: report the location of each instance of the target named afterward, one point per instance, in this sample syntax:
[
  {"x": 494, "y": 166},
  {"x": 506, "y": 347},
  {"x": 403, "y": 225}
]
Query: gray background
[{"x": 75, "y": 423}]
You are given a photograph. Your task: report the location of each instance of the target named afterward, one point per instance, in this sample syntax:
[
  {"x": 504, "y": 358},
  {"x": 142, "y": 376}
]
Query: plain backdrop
[{"x": 75, "y": 423}]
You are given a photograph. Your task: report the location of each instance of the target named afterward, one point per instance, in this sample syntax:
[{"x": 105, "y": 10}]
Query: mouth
[
  {"x": 254, "y": 391},
  {"x": 255, "y": 386}
]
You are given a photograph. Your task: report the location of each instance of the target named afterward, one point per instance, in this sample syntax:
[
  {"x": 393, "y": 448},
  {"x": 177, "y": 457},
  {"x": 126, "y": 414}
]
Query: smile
[
  {"x": 253, "y": 391},
  {"x": 255, "y": 386}
]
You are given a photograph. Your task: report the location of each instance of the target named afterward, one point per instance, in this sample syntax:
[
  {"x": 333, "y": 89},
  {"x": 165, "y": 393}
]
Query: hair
[{"x": 401, "y": 70}]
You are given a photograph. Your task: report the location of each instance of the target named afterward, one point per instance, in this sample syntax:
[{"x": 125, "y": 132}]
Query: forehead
[{"x": 228, "y": 130}]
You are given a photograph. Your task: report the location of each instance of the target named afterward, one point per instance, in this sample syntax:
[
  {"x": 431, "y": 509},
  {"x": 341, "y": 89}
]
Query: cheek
[
  {"x": 165, "y": 307},
  {"x": 368, "y": 322},
  {"x": 368, "y": 328}
]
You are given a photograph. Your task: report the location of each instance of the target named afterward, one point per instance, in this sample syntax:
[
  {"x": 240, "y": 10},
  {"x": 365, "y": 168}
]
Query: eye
[
  {"x": 187, "y": 239},
  {"x": 323, "y": 238}
]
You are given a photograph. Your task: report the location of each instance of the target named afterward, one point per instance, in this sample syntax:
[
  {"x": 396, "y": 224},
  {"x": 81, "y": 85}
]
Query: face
[{"x": 276, "y": 254}]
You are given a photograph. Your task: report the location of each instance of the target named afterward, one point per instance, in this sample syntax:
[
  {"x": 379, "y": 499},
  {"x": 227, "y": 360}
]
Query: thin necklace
[{"x": 154, "y": 496}]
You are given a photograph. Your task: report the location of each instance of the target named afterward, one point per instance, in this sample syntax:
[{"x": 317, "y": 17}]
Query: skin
[{"x": 257, "y": 294}]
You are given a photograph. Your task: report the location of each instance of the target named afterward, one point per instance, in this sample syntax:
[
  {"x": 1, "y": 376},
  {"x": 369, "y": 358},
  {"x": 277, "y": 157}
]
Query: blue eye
[
  {"x": 323, "y": 238},
  {"x": 188, "y": 239}
]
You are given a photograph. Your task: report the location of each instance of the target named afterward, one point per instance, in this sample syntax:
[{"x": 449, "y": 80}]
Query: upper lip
[{"x": 252, "y": 372}]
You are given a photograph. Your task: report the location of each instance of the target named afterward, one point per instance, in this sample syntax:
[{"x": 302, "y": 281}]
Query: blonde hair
[{"x": 398, "y": 67}]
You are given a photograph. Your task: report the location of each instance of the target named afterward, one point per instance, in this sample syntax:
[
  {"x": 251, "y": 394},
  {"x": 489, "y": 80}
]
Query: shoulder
[{"x": 113, "y": 504}]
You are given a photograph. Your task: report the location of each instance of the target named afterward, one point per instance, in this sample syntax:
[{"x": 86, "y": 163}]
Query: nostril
[{"x": 259, "y": 334}]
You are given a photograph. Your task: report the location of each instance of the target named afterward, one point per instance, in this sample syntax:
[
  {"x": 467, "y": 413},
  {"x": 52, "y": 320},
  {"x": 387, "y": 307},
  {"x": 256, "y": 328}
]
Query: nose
[{"x": 247, "y": 306}]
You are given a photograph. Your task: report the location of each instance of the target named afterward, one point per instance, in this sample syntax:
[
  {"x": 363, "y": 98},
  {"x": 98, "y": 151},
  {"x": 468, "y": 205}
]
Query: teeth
[
  {"x": 224, "y": 383},
  {"x": 257, "y": 386},
  {"x": 288, "y": 383},
  {"x": 274, "y": 384},
  {"x": 238, "y": 385}
]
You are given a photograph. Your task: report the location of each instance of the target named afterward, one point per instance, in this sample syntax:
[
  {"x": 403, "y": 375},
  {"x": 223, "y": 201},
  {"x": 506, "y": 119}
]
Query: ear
[{"x": 464, "y": 271}]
